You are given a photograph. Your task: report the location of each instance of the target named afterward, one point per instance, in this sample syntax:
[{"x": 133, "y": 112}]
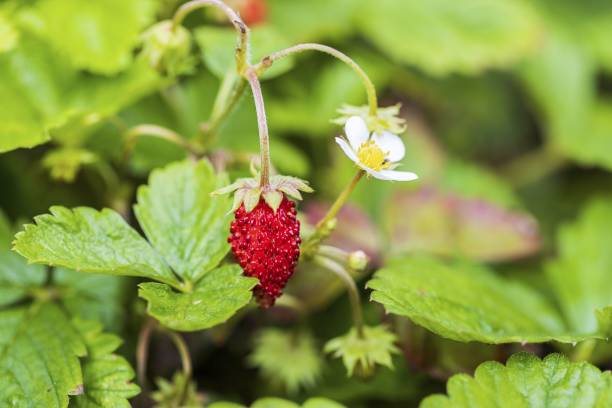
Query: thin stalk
[
  {"x": 584, "y": 350},
  {"x": 149, "y": 130},
  {"x": 224, "y": 104},
  {"x": 533, "y": 166},
  {"x": 351, "y": 288},
  {"x": 242, "y": 50},
  {"x": 367, "y": 83},
  {"x": 142, "y": 351},
  {"x": 183, "y": 350},
  {"x": 334, "y": 253},
  {"x": 341, "y": 200},
  {"x": 262, "y": 124}
]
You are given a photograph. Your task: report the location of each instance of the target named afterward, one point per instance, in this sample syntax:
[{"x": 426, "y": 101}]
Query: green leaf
[
  {"x": 445, "y": 36},
  {"x": 17, "y": 277},
  {"x": 272, "y": 349},
  {"x": 39, "y": 357},
  {"x": 92, "y": 296},
  {"x": 213, "y": 299},
  {"x": 528, "y": 382},
  {"x": 87, "y": 240},
  {"x": 182, "y": 221},
  {"x": 95, "y": 35},
  {"x": 8, "y": 32},
  {"x": 48, "y": 97},
  {"x": 466, "y": 302},
  {"x": 452, "y": 225},
  {"x": 218, "y": 48},
  {"x": 361, "y": 353},
  {"x": 106, "y": 376},
  {"x": 580, "y": 275}
]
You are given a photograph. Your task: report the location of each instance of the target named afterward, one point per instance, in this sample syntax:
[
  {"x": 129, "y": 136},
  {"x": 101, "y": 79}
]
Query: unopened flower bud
[
  {"x": 167, "y": 49},
  {"x": 358, "y": 260}
]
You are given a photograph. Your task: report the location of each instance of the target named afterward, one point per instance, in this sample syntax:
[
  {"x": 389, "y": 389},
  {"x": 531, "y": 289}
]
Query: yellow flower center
[{"x": 372, "y": 156}]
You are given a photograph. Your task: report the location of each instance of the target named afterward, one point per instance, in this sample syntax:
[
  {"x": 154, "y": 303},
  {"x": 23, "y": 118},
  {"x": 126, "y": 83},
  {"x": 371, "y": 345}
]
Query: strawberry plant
[{"x": 205, "y": 205}]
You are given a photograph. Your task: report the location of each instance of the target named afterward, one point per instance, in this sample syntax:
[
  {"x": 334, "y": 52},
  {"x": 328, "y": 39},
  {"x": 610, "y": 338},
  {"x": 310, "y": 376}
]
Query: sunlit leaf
[
  {"x": 183, "y": 222},
  {"x": 445, "y": 36},
  {"x": 467, "y": 302},
  {"x": 214, "y": 299},
  {"x": 528, "y": 382}
]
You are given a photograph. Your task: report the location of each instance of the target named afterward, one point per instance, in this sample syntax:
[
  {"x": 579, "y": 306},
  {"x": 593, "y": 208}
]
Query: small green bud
[
  {"x": 167, "y": 49},
  {"x": 358, "y": 260}
]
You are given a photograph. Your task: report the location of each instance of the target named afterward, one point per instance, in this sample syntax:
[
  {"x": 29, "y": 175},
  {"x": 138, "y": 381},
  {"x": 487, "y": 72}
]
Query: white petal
[
  {"x": 356, "y": 131},
  {"x": 398, "y": 175},
  {"x": 391, "y": 143},
  {"x": 376, "y": 174},
  {"x": 347, "y": 149}
]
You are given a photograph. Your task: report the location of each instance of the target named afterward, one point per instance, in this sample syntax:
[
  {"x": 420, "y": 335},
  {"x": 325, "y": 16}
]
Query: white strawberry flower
[{"x": 376, "y": 153}]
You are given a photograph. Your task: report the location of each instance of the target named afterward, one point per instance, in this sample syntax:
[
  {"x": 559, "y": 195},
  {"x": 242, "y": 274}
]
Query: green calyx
[
  {"x": 386, "y": 119},
  {"x": 248, "y": 191}
]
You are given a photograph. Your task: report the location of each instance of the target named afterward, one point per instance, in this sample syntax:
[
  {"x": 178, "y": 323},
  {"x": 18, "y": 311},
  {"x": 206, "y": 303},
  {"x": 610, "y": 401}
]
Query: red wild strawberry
[
  {"x": 265, "y": 233},
  {"x": 267, "y": 246}
]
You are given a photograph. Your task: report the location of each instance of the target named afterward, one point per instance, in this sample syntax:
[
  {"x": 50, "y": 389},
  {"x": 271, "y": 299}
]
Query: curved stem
[
  {"x": 351, "y": 288},
  {"x": 584, "y": 350},
  {"x": 142, "y": 351},
  {"x": 149, "y": 130},
  {"x": 181, "y": 346},
  {"x": 367, "y": 83},
  {"x": 224, "y": 104},
  {"x": 242, "y": 50},
  {"x": 533, "y": 166},
  {"x": 262, "y": 124}
]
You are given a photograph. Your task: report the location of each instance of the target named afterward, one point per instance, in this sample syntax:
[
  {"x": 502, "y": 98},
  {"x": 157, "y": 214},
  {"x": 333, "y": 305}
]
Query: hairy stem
[
  {"x": 231, "y": 90},
  {"x": 183, "y": 350},
  {"x": 367, "y": 83},
  {"x": 242, "y": 50},
  {"x": 351, "y": 288},
  {"x": 262, "y": 124},
  {"x": 341, "y": 200}
]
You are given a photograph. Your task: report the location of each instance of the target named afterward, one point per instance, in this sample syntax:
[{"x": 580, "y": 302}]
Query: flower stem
[
  {"x": 181, "y": 347},
  {"x": 142, "y": 350},
  {"x": 351, "y": 288},
  {"x": 231, "y": 90},
  {"x": 266, "y": 62},
  {"x": 262, "y": 124},
  {"x": 149, "y": 130},
  {"x": 242, "y": 50},
  {"x": 584, "y": 350}
]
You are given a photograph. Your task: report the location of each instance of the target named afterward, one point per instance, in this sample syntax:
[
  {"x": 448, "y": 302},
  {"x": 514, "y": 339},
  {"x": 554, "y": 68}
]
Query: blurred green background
[{"x": 509, "y": 125}]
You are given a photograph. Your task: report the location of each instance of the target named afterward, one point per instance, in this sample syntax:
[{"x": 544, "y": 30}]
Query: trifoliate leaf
[
  {"x": 213, "y": 299},
  {"x": 87, "y": 240},
  {"x": 181, "y": 392},
  {"x": 580, "y": 276},
  {"x": 182, "y": 221},
  {"x": 106, "y": 376},
  {"x": 467, "y": 302},
  {"x": 39, "y": 357},
  {"x": 95, "y": 35},
  {"x": 528, "y": 382},
  {"x": 448, "y": 36},
  {"x": 272, "y": 349},
  {"x": 65, "y": 163},
  {"x": 362, "y": 353}
]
